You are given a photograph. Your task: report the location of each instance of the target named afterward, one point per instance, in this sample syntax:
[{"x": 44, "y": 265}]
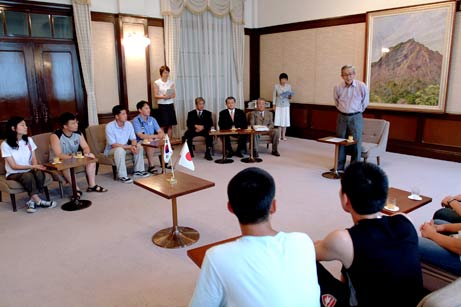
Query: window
[
  {"x": 40, "y": 25},
  {"x": 2, "y": 32},
  {"x": 16, "y": 23},
  {"x": 63, "y": 27}
]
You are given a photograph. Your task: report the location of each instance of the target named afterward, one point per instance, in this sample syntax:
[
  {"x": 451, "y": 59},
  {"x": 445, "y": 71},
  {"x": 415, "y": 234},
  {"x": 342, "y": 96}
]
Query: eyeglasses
[{"x": 348, "y": 75}]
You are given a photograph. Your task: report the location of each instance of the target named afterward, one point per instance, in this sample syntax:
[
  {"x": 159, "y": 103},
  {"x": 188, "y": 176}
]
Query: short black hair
[
  {"x": 366, "y": 185},
  {"x": 116, "y": 110},
  {"x": 231, "y": 97},
  {"x": 141, "y": 104},
  {"x": 283, "y": 76},
  {"x": 250, "y": 194},
  {"x": 65, "y": 117}
]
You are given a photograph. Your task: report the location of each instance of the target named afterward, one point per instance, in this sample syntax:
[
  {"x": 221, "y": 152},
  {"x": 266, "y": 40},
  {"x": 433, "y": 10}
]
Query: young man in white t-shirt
[{"x": 264, "y": 267}]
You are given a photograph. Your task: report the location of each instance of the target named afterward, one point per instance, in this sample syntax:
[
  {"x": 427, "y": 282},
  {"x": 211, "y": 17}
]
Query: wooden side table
[
  {"x": 175, "y": 236},
  {"x": 337, "y": 142},
  {"x": 75, "y": 203}
]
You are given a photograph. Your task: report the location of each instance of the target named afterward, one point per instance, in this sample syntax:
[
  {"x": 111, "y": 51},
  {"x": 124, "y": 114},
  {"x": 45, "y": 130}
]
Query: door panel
[
  {"x": 17, "y": 84},
  {"x": 59, "y": 86}
]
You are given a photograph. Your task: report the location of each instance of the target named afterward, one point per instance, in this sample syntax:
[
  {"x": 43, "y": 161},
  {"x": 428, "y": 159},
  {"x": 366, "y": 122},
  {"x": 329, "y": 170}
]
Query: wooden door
[
  {"x": 59, "y": 84},
  {"x": 18, "y": 90},
  {"x": 39, "y": 81}
]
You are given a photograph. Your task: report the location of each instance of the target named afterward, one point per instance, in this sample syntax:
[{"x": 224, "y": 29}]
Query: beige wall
[
  {"x": 105, "y": 66},
  {"x": 312, "y": 59},
  {"x": 157, "y": 54},
  {"x": 275, "y": 12}
]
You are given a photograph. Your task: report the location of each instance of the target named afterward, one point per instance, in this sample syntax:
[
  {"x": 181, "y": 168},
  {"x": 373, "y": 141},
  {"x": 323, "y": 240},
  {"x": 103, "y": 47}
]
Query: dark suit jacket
[
  {"x": 225, "y": 120},
  {"x": 205, "y": 120},
  {"x": 257, "y": 119}
]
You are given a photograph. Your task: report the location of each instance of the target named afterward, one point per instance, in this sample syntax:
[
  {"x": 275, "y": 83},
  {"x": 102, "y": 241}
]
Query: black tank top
[{"x": 386, "y": 270}]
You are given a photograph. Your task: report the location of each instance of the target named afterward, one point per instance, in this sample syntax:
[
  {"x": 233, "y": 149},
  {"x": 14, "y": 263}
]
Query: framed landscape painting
[{"x": 408, "y": 57}]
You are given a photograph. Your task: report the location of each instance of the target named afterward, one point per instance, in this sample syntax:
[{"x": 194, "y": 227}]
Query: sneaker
[
  {"x": 152, "y": 170},
  {"x": 47, "y": 204},
  {"x": 125, "y": 179},
  {"x": 141, "y": 174},
  {"x": 30, "y": 206}
]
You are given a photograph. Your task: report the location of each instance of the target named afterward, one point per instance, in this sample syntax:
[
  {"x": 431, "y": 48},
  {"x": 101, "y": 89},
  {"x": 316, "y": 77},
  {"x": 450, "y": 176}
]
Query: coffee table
[
  {"x": 337, "y": 142},
  {"x": 175, "y": 236},
  {"x": 405, "y": 204},
  {"x": 227, "y": 132},
  {"x": 75, "y": 203}
]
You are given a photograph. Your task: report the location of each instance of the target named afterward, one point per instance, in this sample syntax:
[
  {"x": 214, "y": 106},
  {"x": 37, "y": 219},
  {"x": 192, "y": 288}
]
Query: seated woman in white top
[{"x": 21, "y": 164}]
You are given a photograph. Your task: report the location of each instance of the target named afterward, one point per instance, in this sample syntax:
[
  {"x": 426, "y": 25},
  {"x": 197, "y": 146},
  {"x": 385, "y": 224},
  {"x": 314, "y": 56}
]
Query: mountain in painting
[{"x": 408, "y": 74}]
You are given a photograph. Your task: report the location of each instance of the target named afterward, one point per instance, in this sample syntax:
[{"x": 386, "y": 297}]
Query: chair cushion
[{"x": 372, "y": 130}]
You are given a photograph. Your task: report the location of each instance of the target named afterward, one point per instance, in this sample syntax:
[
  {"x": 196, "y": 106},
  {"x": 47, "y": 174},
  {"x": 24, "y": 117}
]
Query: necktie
[
  {"x": 261, "y": 113},
  {"x": 200, "y": 114},
  {"x": 232, "y": 115}
]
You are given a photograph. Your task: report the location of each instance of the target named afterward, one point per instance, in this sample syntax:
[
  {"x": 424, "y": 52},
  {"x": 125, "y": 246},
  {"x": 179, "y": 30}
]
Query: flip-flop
[{"x": 96, "y": 188}]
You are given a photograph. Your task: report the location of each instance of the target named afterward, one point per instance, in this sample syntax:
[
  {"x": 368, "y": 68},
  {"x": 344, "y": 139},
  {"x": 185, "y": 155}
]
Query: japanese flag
[
  {"x": 186, "y": 159},
  {"x": 167, "y": 150}
]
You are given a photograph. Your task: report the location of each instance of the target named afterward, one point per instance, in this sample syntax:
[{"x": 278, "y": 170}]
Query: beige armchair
[
  {"x": 374, "y": 138},
  {"x": 96, "y": 139},
  {"x": 13, "y": 187}
]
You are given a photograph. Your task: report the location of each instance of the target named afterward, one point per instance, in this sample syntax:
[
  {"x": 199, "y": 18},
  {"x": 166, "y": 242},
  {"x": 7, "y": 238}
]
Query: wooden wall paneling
[
  {"x": 254, "y": 63},
  {"x": 442, "y": 132},
  {"x": 403, "y": 128},
  {"x": 324, "y": 120}
]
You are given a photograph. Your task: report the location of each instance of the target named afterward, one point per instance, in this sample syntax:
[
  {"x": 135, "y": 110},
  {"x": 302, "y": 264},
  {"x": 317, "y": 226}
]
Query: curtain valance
[
  {"x": 217, "y": 7},
  {"x": 88, "y": 2}
]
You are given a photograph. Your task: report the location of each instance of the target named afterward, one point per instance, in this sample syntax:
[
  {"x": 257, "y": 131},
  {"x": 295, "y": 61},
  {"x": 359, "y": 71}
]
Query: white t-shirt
[
  {"x": 269, "y": 271},
  {"x": 22, "y": 155},
  {"x": 163, "y": 87}
]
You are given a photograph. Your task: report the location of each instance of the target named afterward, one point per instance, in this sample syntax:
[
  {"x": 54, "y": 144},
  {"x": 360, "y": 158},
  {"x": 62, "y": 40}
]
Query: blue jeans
[
  {"x": 447, "y": 214},
  {"x": 432, "y": 253},
  {"x": 345, "y": 126}
]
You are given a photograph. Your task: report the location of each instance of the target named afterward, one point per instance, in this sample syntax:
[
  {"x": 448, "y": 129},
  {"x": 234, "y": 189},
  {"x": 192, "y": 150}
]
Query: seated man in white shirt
[
  {"x": 264, "y": 267},
  {"x": 120, "y": 139}
]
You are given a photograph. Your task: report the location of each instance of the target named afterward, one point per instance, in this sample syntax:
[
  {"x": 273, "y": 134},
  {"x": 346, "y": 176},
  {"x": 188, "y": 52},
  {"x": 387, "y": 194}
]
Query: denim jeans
[
  {"x": 345, "y": 126},
  {"x": 432, "y": 253},
  {"x": 447, "y": 214}
]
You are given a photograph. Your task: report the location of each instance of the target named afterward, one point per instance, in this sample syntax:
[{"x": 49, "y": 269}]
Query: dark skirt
[{"x": 166, "y": 115}]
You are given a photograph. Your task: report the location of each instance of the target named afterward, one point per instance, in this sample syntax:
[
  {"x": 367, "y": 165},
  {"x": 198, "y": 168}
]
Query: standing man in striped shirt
[{"x": 351, "y": 99}]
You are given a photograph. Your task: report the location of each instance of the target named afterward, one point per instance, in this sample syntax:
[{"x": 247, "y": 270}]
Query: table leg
[
  {"x": 251, "y": 158},
  {"x": 176, "y": 236},
  {"x": 334, "y": 174},
  {"x": 162, "y": 150},
  {"x": 75, "y": 203},
  {"x": 224, "y": 159}
]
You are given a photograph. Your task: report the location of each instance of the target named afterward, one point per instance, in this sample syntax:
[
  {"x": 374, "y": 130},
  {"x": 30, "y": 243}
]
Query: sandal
[
  {"x": 96, "y": 188},
  {"x": 79, "y": 194}
]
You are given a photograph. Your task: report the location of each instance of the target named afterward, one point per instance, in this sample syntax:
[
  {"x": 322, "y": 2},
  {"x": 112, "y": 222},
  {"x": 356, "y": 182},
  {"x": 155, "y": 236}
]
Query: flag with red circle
[{"x": 186, "y": 159}]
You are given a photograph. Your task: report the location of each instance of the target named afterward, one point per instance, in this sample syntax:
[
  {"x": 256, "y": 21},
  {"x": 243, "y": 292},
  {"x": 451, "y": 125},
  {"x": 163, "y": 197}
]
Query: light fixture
[{"x": 134, "y": 39}]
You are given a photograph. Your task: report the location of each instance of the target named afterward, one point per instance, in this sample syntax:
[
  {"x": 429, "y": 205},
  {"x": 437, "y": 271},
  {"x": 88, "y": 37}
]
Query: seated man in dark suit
[
  {"x": 261, "y": 117},
  {"x": 199, "y": 122},
  {"x": 229, "y": 118}
]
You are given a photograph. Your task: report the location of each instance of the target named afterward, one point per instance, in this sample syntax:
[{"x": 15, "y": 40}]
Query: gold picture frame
[{"x": 408, "y": 57}]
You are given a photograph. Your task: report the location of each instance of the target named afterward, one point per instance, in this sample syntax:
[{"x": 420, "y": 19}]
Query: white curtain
[
  {"x": 205, "y": 51},
  {"x": 82, "y": 19}
]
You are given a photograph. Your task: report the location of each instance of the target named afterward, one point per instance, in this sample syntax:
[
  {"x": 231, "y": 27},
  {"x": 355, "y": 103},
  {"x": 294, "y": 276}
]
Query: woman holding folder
[{"x": 281, "y": 97}]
